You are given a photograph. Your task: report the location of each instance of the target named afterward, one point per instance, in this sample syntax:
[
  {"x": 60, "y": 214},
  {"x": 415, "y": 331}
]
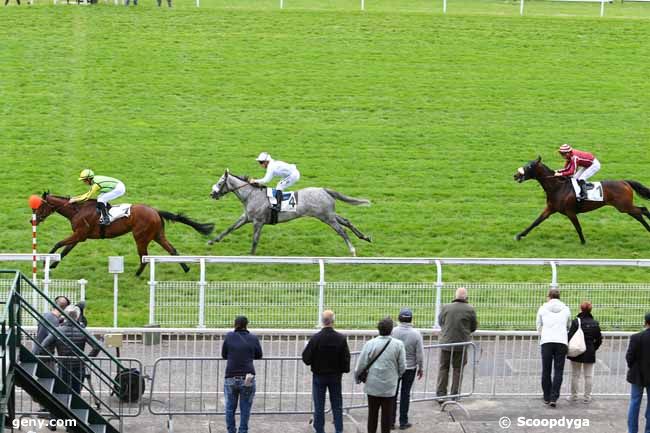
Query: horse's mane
[{"x": 247, "y": 179}]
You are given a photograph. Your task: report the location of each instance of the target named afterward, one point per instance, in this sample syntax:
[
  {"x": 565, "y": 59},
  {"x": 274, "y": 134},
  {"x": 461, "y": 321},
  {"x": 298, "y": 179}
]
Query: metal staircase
[{"x": 43, "y": 376}]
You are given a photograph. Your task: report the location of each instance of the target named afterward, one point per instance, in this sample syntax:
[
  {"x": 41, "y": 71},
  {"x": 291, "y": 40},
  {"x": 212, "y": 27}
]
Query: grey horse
[{"x": 313, "y": 202}]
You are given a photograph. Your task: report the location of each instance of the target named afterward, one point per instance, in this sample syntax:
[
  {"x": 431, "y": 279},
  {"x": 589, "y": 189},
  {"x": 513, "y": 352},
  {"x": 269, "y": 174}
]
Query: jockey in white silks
[{"x": 274, "y": 168}]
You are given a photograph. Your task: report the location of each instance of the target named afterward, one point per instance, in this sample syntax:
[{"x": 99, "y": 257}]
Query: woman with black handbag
[{"x": 381, "y": 363}]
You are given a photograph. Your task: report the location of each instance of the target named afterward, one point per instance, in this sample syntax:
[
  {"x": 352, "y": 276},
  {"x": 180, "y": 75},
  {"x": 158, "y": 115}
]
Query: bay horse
[
  {"x": 318, "y": 203},
  {"x": 146, "y": 224},
  {"x": 560, "y": 197}
]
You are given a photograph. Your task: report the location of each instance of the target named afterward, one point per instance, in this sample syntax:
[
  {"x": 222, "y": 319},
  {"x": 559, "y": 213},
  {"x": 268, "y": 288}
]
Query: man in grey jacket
[
  {"x": 414, "y": 347},
  {"x": 457, "y": 322}
]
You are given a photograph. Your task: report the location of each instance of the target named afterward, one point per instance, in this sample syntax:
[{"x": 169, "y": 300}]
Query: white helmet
[{"x": 264, "y": 156}]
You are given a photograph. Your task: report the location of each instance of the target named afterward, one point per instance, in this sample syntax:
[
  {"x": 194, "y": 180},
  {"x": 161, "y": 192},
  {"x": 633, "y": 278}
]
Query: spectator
[
  {"x": 584, "y": 362},
  {"x": 457, "y": 323},
  {"x": 638, "y": 374},
  {"x": 384, "y": 360},
  {"x": 71, "y": 369},
  {"x": 552, "y": 320},
  {"x": 169, "y": 3},
  {"x": 53, "y": 317},
  {"x": 240, "y": 348},
  {"x": 328, "y": 355},
  {"x": 414, "y": 348}
]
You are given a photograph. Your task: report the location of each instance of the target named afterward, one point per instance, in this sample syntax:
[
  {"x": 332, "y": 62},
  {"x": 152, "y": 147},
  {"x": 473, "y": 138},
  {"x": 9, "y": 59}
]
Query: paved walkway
[{"x": 600, "y": 416}]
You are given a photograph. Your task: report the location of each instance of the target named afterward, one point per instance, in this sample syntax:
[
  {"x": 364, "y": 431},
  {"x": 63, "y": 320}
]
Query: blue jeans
[
  {"x": 321, "y": 383},
  {"x": 404, "y": 390},
  {"x": 234, "y": 392},
  {"x": 636, "y": 398}
]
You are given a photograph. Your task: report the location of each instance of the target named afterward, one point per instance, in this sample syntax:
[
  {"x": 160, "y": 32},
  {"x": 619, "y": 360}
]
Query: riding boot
[
  {"x": 583, "y": 190},
  {"x": 104, "y": 217},
  {"x": 278, "y": 200}
]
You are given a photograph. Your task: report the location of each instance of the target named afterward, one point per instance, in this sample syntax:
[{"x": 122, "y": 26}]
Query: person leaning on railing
[
  {"x": 383, "y": 359},
  {"x": 328, "y": 354},
  {"x": 584, "y": 362},
  {"x": 240, "y": 348},
  {"x": 457, "y": 323}
]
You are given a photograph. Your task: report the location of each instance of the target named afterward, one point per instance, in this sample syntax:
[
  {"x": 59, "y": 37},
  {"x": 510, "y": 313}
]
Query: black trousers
[
  {"x": 386, "y": 405},
  {"x": 553, "y": 356}
]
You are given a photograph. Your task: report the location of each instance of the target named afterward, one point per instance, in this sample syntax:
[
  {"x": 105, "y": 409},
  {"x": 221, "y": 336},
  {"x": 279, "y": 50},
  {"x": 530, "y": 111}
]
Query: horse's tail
[
  {"x": 204, "y": 229},
  {"x": 345, "y": 198},
  {"x": 640, "y": 189}
]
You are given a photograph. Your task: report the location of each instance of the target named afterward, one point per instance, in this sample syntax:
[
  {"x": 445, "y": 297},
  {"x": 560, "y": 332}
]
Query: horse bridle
[{"x": 246, "y": 183}]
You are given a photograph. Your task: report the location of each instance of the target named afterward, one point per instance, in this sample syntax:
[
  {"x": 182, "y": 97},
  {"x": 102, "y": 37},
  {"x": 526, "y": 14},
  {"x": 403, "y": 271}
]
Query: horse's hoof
[
  {"x": 54, "y": 265},
  {"x": 517, "y": 237},
  {"x": 210, "y": 242},
  {"x": 368, "y": 239}
]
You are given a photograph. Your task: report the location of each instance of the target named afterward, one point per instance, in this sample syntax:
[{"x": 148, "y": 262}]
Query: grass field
[{"x": 426, "y": 115}]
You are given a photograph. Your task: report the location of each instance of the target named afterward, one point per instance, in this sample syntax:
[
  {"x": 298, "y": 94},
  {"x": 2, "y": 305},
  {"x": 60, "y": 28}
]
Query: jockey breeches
[
  {"x": 589, "y": 171},
  {"x": 288, "y": 181},
  {"x": 118, "y": 191}
]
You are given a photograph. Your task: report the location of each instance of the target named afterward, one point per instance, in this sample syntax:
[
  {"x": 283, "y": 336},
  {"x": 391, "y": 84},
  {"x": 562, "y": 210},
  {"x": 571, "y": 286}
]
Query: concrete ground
[{"x": 599, "y": 416}]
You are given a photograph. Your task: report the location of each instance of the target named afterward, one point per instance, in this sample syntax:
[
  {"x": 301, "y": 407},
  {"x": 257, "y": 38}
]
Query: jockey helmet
[
  {"x": 86, "y": 173},
  {"x": 264, "y": 156},
  {"x": 565, "y": 148}
]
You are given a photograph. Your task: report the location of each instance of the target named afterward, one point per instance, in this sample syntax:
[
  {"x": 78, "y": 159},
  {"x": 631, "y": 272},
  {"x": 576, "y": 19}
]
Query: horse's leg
[
  {"x": 163, "y": 242},
  {"x": 338, "y": 229},
  {"x": 69, "y": 244},
  {"x": 257, "y": 231},
  {"x": 240, "y": 222},
  {"x": 637, "y": 214},
  {"x": 574, "y": 219},
  {"x": 545, "y": 214},
  {"x": 645, "y": 211},
  {"x": 142, "y": 242},
  {"x": 346, "y": 222}
]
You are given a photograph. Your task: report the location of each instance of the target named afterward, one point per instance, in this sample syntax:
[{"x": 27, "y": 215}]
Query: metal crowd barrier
[{"x": 182, "y": 386}]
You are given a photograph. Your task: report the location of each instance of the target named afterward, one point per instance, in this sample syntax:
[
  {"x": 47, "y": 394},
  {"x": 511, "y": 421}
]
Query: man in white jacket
[{"x": 552, "y": 320}]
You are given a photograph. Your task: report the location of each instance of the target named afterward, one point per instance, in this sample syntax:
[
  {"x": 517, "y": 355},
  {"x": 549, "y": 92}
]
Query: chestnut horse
[
  {"x": 560, "y": 196},
  {"x": 146, "y": 223}
]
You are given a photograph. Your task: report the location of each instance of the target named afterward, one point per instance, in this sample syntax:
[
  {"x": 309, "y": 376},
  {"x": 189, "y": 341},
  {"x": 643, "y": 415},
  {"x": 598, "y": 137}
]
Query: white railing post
[
  {"x": 444, "y": 6},
  {"x": 198, "y": 3},
  {"x": 436, "y": 324},
  {"x": 82, "y": 289},
  {"x": 202, "y": 294},
  {"x": 553, "y": 275},
  {"x": 602, "y": 7},
  {"x": 363, "y": 5},
  {"x": 115, "y": 295},
  {"x": 321, "y": 290},
  {"x": 46, "y": 283},
  {"x": 521, "y": 8},
  {"x": 152, "y": 291},
  {"x": 281, "y": 4}
]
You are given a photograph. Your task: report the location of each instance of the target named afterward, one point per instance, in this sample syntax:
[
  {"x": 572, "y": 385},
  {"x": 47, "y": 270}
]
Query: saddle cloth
[
  {"x": 594, "y": 190},
  {"x": 289, "y": 199},
  {"x": 119, "y": 211}
]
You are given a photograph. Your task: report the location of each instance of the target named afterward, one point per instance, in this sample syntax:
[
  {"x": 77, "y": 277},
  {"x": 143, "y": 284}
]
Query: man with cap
[
  {"x": 638, "y": 374},
  {"x": 276, "y": 168},
  {"x": 328, "y": 354},
  {"x": 580, "y": 165},
  {"x": 240, "y": 348},
  {"x": 414, "y": 347}
]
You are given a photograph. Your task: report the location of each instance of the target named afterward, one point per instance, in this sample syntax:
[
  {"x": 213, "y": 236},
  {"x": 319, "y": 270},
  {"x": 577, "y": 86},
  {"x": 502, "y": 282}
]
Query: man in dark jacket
[
  {"x": 71, "y": 370},
  {"x": 329, "y": 356},
  {"x": 457, "y": 322},
  {"x": 638, "y": 374},
  {"x": 240, "y": 348},
  {"x": 585, "y": 361}
]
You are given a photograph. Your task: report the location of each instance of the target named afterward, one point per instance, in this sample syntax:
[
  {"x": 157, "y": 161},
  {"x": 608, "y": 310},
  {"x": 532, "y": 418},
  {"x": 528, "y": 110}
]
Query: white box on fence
[{"x": 115, "y": 264}]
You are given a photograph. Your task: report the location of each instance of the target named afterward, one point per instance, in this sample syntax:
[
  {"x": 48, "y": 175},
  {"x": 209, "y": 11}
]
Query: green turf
[{"x": 426, "y": 115}]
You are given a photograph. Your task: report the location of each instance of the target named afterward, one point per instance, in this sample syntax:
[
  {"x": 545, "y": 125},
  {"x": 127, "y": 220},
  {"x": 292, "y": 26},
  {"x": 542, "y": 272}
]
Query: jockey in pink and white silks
[
  {"x": 275, "y": 168},
  {"x": 579, "y": 165}
]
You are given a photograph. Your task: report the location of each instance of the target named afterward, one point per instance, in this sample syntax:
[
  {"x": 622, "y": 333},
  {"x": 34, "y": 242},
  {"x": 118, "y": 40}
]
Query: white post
[
  {"x": 436, "y": 324},
  {"x": 82, "y": 289},
  {"x": 553, "y": 275},
  {"x": 152, "y": 290},
  {"x": 198, "y": 3},
  {"x": 281, "y": 4},
  {"x": 602, "y": 7},
  {"x": 202, "y": 294},
  {"x": 444, "y": 6},
  {"x": 115, "y": 300},
  {"x": 363, "y": 5},
  {"x": 46, "y": 283},
  {"x": 321, "y": 290},
  {"x": 521, "y": 8}
]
